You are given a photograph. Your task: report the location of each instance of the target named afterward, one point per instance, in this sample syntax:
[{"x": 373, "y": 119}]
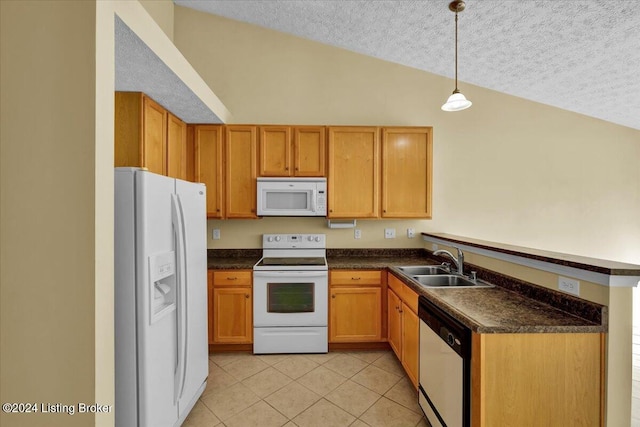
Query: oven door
[{"x": 290, "y": 298}]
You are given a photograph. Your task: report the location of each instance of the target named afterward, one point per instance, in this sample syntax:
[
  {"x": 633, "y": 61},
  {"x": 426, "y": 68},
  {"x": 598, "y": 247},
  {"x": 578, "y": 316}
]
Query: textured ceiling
[
  {"x": 579, "y": 55},
  {"x": 138, "y": 69}
]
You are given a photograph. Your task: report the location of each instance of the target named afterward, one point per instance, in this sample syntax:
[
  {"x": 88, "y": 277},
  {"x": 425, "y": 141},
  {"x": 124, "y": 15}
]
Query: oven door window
[{"x": 290, "y": 297}]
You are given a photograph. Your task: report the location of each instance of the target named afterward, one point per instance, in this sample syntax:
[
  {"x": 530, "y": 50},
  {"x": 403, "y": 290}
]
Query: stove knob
[
  {"x": 269, "y": 239},
  {"x": 310, "y": 238},
  {"x": 317, "y": 238},
  {"x": 277, "y": 238}
]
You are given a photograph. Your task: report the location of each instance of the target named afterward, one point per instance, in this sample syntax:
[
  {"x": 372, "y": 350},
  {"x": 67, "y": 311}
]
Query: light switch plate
[
  {"x": 389, "y": 233},
  {"x": 357, "y": 233},
  {"x": 216, "y": 234},
  {"x": 411, "y": 233}
]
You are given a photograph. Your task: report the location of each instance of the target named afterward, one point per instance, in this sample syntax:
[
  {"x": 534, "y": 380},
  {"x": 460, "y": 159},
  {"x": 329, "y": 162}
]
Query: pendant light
[{"x": 457, "y": 100}]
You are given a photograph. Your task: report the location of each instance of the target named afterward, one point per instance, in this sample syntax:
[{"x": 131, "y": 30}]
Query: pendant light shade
[{"x": 457, "y": 101}]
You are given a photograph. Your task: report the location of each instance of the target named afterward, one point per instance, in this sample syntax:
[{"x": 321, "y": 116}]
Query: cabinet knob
[
  {"x": 246, "y": 296},
  {"x": 286, "y": 168},
  {"x": 355, "y": 278},
  {"x": 333, "y": 295},
  {"x": 297, "y": 168}
]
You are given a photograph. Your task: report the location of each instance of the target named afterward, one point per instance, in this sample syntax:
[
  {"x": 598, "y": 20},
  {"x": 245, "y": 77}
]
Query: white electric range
[{"x": 290, "y": 295}]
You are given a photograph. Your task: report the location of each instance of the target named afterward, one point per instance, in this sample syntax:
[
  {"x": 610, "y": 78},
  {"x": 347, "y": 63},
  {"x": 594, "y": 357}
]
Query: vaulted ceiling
[{"x": 578, "y": 55}]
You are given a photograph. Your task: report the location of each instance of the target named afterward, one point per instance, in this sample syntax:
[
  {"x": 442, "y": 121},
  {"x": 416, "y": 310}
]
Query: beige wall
[
  {"x": 506, "y": 170},
  {"x": 49, "y": 187},
  {"x": 246, "y": 234},
  {"x": 162, "y": 12}
]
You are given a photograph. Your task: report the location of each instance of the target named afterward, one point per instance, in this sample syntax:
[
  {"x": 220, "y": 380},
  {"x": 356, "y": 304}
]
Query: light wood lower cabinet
[
  {"x": 531, "y": 380},
  {"x": 404, "y": 326},
  {"x": 355, "y": 306},
  {"x": 231, "y": 309}
]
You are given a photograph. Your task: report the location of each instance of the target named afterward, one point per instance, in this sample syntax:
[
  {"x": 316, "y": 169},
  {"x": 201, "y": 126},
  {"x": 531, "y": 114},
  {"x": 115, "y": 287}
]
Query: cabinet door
[
  {"x": 355, "y": 314},
  {"x": 154, "y": 142},
  {"x": 309, "y": 149},
  {"x": 232, "y": 323},
  {"x": 395, "y": 323},
  {"x": 353, "y": 179},
  {"x": 275, "y": 151},
  {"x": 406, "y": 172},
  {"x": 210, "y": 305},
  {"x": 410, "y": 343},
  {"x": 240, "y": 179},
  {"x": 176, "y": 147},
  {"x": 208, "y": 166}
]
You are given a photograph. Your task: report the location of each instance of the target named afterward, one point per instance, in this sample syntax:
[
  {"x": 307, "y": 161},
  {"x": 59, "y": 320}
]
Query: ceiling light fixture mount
[{"x": 457, "y": 101}]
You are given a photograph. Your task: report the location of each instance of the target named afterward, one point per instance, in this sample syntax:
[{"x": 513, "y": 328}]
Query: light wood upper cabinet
[
  {"x": 354, "y": 172},
  {"x": 275, "y": 151},
  {"x": 355, "y": 306},
  {"x": 240, "y": 173},
  {"x": 176, "y": 147},
  {"x": 309, "y": 151},
  {"x": 149, "y": 136},
  {"x": 208, "y": 165},
  {"x": 406, "y": 172},
  {"x": 291, "y": 151}
]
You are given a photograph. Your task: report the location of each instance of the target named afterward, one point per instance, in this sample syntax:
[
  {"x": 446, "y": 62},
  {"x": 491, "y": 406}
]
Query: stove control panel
[{"x": 286, "y": 241}]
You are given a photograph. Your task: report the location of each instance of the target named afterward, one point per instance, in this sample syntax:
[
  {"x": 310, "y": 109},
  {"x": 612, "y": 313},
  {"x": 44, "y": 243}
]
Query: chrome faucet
[{"x": 459, "y": 262}]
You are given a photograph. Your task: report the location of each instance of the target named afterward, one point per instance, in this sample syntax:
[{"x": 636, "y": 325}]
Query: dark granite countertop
[
  {"x": 232, "y": 259},
  {"x": 511, "y": 306},
  {"x": 499, "y": 310}
]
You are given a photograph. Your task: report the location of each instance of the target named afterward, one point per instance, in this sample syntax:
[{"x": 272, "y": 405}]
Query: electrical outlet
[
  {"x": 216, "y": 234},
  {"x": 570, "y": 286},
  {"x": 389, "y": 233},
  {"x": 357, "y": 233},
  {"x": 411, "y": 233}
]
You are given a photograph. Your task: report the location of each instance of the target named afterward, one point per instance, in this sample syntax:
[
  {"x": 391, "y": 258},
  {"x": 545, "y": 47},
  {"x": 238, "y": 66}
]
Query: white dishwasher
[{"x": 445, "y": 368}]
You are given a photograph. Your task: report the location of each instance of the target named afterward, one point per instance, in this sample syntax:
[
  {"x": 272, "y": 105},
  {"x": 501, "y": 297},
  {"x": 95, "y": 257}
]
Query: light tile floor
[{"x": 354, "y": 388}]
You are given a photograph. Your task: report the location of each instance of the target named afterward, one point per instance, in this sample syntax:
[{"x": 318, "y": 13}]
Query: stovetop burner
[
  {"x": 290, "y": 252},
  {"x": 293, "y": 261}
]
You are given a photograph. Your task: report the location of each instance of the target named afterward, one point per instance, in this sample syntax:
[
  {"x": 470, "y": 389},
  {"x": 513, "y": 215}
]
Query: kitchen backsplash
[{"x": 242, "y": 234}]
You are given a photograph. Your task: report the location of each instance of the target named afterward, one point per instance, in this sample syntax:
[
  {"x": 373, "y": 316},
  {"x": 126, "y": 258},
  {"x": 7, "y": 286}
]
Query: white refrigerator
[{"x": 161, "y": 348}]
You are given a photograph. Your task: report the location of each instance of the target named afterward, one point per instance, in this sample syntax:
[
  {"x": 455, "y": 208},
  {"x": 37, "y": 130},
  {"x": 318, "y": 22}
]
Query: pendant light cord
[{"x": 456, "y": 90}]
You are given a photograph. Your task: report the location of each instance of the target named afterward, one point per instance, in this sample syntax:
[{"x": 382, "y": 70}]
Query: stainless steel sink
[
  {"x": 421, "y": 270},
  {"x": 449, "y": 280}
]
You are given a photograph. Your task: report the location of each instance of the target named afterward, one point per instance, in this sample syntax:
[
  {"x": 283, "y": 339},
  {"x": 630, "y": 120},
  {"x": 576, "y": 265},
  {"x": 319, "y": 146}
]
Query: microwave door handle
[{"x": 313, "y": 201}]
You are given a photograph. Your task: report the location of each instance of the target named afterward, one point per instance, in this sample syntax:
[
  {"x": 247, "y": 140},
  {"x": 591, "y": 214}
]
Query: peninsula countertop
[{"x": 498, "y": 309}]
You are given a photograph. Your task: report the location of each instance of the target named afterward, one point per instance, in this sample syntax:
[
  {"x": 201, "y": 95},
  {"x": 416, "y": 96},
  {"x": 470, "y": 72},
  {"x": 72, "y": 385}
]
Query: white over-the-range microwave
[{"x": 292, "y": 197}]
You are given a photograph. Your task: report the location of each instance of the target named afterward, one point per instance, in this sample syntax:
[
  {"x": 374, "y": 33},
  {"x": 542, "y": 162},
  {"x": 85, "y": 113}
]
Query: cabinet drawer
[
  {"x": 394, "y": 283},
  {"x": 356, "y": 277},
  {"x": 232, "y": 278},
  {"x": 410, "y": 298}
]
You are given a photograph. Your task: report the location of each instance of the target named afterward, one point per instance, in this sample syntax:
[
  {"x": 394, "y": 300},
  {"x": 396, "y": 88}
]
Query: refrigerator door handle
[{"x": 177, "y": 219}]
